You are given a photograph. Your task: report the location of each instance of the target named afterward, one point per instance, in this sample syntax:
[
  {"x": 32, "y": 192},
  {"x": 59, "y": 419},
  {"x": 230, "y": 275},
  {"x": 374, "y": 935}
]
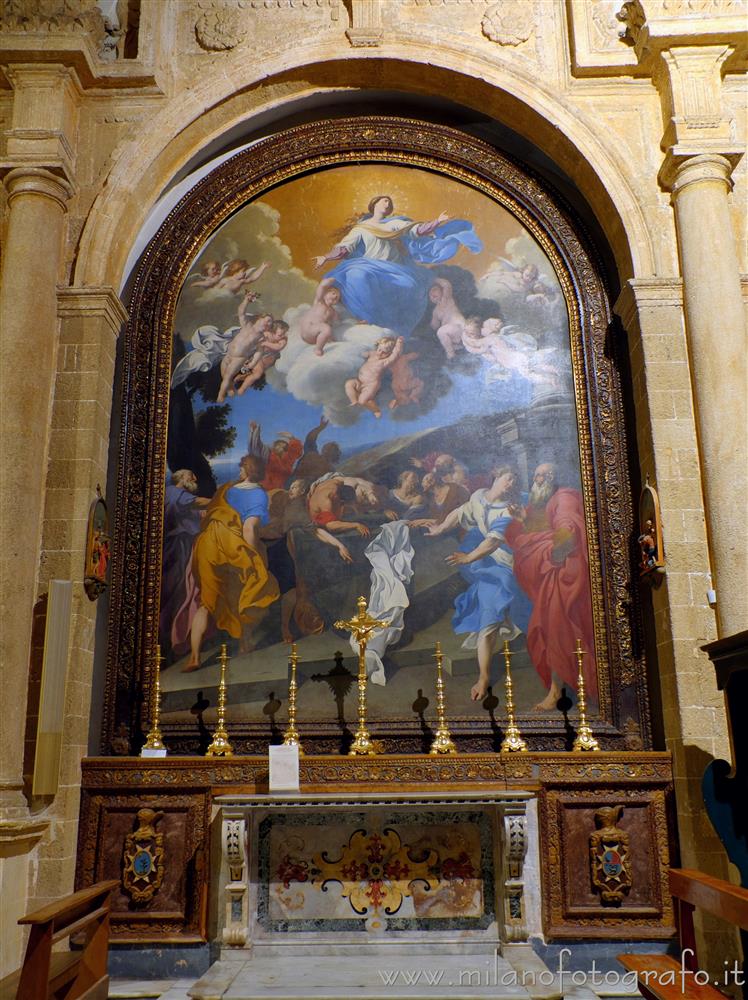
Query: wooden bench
[
  {"x": 72, "y": 975},
  {"x": 662, "y": 977}
]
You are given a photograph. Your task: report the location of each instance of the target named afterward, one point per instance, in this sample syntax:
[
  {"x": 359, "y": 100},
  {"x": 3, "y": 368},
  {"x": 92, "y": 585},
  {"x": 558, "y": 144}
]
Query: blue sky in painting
[{"x": 277, "y": 411}]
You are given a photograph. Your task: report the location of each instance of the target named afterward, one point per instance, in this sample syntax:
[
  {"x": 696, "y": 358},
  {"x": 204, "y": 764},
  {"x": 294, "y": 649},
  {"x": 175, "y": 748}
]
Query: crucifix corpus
[{"x": 361, "y": 627}]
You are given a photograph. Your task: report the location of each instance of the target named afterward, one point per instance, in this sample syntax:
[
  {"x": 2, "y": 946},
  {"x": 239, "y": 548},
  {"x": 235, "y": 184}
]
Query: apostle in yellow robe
[{"x": 229, "y": 563}]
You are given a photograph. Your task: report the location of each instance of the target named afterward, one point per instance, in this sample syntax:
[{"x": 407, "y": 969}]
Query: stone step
[{"x": 380, "y": 976}]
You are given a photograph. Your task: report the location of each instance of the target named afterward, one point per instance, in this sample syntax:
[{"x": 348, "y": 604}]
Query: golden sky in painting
[{"x": 312, "y": 208}]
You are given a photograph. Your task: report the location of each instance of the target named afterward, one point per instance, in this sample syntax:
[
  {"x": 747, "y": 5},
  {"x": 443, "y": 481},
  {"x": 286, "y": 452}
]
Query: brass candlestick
[
  {"x": 443, "y": 742},
  {"x": 512, "y": 742},
  {"x": 153, "y": 740},
  {"x": 220, "y": 747},
  {"x": 291, "y": 736},
  {"x": 361, "y": 627},
  {"x": 584, "y": 739}
]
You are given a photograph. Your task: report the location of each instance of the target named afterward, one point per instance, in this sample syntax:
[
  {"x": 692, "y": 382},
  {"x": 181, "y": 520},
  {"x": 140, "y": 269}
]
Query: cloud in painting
[
  {"x": 520, "y": 251},
  {"x": 320, "y": 381},
  {"x": 251, "y": 235},
  {"x": 534, "y": 306}
]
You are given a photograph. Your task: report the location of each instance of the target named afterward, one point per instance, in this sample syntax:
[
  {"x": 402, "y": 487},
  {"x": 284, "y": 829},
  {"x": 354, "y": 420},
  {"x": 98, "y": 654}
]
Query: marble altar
[{"x": 384, "y": 870}]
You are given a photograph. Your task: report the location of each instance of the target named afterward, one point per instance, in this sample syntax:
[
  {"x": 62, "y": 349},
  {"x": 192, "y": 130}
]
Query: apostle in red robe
[
  {"x": 551, "y": 566},
  {"x": 279, "y": 459}
]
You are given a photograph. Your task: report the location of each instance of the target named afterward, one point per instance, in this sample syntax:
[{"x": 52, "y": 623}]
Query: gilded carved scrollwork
[
  {"x": 153, "y": 808},
  {"x": 652, "y": 911},
  {"x": 143, "y": 858},
  {"x": 610, "y": 860},
  {"x": 467, "y": 770}
]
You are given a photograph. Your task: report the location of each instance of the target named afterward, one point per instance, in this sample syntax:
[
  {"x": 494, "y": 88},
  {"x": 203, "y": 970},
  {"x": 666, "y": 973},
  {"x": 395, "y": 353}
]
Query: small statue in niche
[
  {"x": 97, "y": 548},
  {"x": 610, "y": 864},
  {"x": 651, "y": 560},
  {"x": 648, "y": 545}
]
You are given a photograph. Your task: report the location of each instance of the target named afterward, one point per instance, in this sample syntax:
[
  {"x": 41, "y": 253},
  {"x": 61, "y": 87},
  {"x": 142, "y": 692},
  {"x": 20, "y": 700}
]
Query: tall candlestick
[
  {"x": 220, "y": 747},
  {"x": 153, "y": 740},
  {"x": 584, "y": 739},
  {"x": 291, "y": 736},
  {"x": 361, "y": 626},
  {"x": 512, "y": 742},
  {"x": 443, "y": 742}
]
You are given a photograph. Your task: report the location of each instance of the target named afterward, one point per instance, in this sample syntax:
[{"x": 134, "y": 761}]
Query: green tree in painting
[{"x": 213, "y": 433}]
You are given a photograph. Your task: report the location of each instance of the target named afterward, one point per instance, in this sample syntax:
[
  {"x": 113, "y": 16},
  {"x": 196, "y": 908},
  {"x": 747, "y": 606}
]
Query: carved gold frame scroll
[{"x": 144, "y": 391}]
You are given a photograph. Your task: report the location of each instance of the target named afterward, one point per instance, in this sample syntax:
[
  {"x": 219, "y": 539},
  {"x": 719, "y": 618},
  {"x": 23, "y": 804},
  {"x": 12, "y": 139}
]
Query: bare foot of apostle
[
  {"x": 189, "y": 667},
  {"x": 549, "y": 702},
  {"x": 479, "y": 690}
]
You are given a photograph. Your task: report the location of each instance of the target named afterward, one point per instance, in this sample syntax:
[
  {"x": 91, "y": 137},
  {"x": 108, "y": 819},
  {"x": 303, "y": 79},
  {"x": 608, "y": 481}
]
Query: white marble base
[
  {"x": 352, "y": 946},
  {"x": 391, "y": 977},
  {"x": 145, "y": 989}
]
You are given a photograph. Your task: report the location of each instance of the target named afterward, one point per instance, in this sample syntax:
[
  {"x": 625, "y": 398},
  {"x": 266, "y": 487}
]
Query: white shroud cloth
[
  {"x": 209, "y": 349},
  {"x": 391, "y": 558}
]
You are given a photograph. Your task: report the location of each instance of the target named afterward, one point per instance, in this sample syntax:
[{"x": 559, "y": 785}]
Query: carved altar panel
[
  {"x": 162, "y": 865},
  {"x": 607, "y": 853}
]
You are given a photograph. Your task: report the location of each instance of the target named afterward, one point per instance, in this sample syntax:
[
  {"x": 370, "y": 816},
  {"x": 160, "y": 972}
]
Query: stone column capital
[
  {"x": 43, "y": 75},
  {"x": 647, "y": 293},
  {"x": 682, "y": 167},
  {"x": 37, "y": 180},
  {"x": 20, "y": 835},
  {"x": 101, "y": 302}
]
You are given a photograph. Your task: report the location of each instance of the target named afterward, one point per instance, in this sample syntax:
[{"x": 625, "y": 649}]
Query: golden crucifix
[{"x": 361, "y": 627}]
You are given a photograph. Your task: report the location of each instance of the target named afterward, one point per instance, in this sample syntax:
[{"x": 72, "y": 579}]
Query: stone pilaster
[
  {"x": 700, "y": 157},
  {"x": 37, "y": 201},
  {"x": 693, "y": 710},
  {"x": 90, "y": 322},
  {"x": 688, "y": 68},
  {"x": 18, "y": 840}
]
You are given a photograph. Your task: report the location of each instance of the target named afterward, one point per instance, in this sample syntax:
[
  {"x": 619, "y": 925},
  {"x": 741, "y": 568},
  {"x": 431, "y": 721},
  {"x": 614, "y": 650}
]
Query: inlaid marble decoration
[{"x": 381, "y": 871}]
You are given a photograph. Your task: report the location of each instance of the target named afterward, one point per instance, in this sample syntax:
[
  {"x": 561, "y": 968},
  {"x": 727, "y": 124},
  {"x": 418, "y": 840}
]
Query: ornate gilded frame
[{"x": 146, "y": 360}]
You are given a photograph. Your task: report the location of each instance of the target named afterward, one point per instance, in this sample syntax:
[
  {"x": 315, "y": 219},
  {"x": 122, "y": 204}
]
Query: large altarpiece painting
[{"x": 371, "y": 357}]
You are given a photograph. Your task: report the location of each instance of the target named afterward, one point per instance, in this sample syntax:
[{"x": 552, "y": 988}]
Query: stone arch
[{"x": 229, "y": 94}]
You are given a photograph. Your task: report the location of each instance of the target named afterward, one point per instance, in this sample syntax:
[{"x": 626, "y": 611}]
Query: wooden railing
[
  {"x": 665, "y": 977},
  {"x": 74, "y": 975}
]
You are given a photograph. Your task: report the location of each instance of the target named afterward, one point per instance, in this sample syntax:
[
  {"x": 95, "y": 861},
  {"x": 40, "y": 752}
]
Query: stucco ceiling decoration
[
  {"x": 652, "y": 27},
  {"x": 636, "y": 15},
  {"x": 67, "y": 16},
  {"x": 509, "y": 23},
  {"x": 220, "y": 27}
]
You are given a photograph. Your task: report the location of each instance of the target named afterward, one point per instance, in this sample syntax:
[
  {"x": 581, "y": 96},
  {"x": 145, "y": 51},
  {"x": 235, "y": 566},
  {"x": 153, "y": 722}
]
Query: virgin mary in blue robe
[{"x": 381, "y": 274}]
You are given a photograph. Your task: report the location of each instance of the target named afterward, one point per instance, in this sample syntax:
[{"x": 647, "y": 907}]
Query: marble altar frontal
[
  {"x": 382, "y": 871},
  {"x": 310, "y": 873}
]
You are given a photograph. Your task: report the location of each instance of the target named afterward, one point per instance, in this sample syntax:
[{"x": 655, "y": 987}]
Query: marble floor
[
  {"x": 381, "y": 977},
  {"x": 518, "y": 975}
]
